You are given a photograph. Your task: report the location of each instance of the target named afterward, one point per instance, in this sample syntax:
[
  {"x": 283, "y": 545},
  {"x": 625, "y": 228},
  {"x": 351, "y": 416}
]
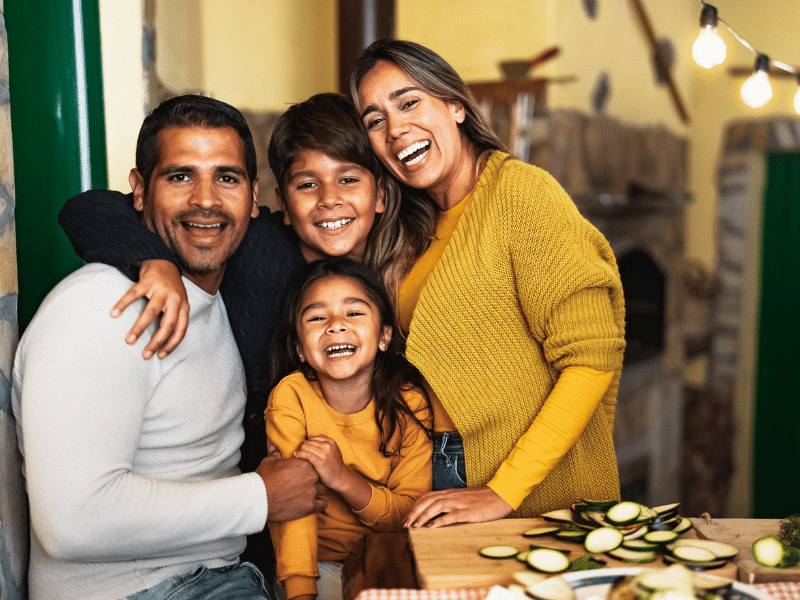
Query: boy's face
[{"x": 330, "y": 204}]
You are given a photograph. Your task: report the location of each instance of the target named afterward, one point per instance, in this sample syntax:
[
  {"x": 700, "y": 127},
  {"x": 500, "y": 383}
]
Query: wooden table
[{"x": 448, "y": 557}]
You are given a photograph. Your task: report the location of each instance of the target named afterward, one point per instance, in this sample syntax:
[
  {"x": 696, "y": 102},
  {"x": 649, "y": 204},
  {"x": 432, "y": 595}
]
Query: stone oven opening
[{"x": 644, "y": 287}]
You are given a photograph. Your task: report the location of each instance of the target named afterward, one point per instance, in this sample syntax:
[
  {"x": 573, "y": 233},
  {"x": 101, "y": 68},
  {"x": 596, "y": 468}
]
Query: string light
[
  {"x": 756, "y": 91},
  {"x": 708, "y": 49}
]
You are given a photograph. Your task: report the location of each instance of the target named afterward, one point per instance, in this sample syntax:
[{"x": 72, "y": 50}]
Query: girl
[
  {"x": 525, "y": 377},
  {"x": 348, "y": 402}
]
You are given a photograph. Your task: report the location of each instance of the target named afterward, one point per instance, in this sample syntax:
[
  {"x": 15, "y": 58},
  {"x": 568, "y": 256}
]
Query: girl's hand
[
  {"x": 324, "y": 455},
  {"x": 461, "y": 505},
  {"x": 161, "y": 283}
]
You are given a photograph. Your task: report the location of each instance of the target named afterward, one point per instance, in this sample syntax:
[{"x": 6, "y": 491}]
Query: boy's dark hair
[
  {"x": 392, "y": 373},
  {"x": 325, "y": 122},
  {"x": 191, "y": 111}
]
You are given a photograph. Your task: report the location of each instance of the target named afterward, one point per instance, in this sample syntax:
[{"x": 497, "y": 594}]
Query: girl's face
[
  {"x": 415, "y": 134},
  {"x": 331, "y": 205},
  {"x": 339, "y": 330}
]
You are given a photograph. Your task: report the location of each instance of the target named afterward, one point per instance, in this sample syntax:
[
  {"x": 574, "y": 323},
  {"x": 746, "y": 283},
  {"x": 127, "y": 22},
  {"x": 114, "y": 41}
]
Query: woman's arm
[
  {"x": 562, "y": 419},
  {"x": 103, "y": 226}
]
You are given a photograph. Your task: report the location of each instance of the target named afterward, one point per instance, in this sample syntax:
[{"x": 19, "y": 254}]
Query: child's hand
[{"x": 324, "y": 454}]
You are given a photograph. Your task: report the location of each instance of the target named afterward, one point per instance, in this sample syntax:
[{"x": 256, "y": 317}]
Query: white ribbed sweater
[{"x": 130, "y": 464}]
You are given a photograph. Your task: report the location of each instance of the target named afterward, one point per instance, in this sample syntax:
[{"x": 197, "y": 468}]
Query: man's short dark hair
[
  {"x": 191, "y": 111},
  {"x": 327, "y": 123}
]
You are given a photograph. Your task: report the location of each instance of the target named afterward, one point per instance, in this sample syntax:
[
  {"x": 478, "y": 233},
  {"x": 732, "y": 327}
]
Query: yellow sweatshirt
[
  {"x": 525, "y": 289},
  {"x": 296, "y": 410}
]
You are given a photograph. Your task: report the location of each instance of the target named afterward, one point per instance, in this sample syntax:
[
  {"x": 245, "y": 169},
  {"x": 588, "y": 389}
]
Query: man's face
[{"x": 199, "y": 199}]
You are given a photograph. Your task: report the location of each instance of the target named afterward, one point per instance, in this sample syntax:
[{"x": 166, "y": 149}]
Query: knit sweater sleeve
[
  {"x": 411, "y": 476},
  {"x": 556, "y": 428},
  {"x": 295, "y": 541},
  {"x": 103, "y": 226}
]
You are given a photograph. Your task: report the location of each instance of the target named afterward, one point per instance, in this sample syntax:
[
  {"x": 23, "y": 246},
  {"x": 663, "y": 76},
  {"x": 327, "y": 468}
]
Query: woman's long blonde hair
[{"x": 418, "y": 213}]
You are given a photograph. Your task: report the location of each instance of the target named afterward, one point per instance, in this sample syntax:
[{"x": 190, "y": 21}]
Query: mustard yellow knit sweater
[{"x": 481, "y": 331}]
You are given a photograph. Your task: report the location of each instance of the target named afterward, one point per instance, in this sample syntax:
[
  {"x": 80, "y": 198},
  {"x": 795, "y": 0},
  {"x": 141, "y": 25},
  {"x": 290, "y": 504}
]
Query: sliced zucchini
[
  {"x": 666, "y": 509},
  {"x": 623, "y": 513},
  {"x": 527, "y": 578},
  {"x": 603, "y": 540},
  {"x": 636, "y": 533},
  {"x": 559, "y": 516},
  {"x": 518, "y": 590},
  {"x": 684, "y": 526},
  {"x": 668, "y": 525},
  {"x": 498, "y": 552},
  {"x": 522, "y": 556},
  {"x": 768, "y": 551},
  {"x": 676, "y": 577},
  {"x": 639, "y": 546},
  {"x": 571, "y": 535},
  {"x": 552, "y": 588},
  {"x": 695, "y": 565},
  {"x": 633, "y": 556},
  {"x": 601, "y": 505},
  {"x": 547, "y": 560},
  {"x": 537, "y": 531},
  {"x": 660, "y": 537},
  {"x": 694, "y": 554},
  {"x": 720, "y": 549},
  {"x": 712, "y": 585}
]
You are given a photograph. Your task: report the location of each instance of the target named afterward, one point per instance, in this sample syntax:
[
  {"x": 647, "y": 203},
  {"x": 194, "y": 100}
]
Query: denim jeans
[
  {"x": 449, "y": 469},
  {"x": 242, "y": 581}
]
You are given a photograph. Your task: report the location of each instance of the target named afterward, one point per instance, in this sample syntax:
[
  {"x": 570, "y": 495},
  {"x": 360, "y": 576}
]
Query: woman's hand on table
[
  {"x": 461, "y": 505},
  {"x": 161, "y": 283}
]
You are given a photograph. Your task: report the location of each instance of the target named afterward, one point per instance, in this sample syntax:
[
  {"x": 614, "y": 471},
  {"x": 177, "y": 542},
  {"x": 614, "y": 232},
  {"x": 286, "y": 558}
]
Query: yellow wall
[
  {"x": 266, "y": 55},
  {"x": 473, "y": 36},
  {"x": 123, "y": 85}
]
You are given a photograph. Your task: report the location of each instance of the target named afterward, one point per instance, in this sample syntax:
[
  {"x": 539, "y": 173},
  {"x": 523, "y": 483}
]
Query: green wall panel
[
  {"x": 776, "y": 451},
  {"x": 55, "y": 84}
]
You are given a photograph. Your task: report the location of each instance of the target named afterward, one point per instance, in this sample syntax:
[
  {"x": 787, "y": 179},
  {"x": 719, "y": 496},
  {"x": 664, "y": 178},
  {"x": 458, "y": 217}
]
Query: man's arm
[{"x": 83, "y": 401}]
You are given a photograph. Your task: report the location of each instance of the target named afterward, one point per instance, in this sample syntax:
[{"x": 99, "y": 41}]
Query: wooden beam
[{"x": 661, "y": 61}]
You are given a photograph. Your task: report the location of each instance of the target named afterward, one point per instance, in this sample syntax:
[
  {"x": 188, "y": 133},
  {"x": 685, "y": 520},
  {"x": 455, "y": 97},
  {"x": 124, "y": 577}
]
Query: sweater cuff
[
  {"x": 375, "y": 508},
  {"x": 297, "y": 585}
]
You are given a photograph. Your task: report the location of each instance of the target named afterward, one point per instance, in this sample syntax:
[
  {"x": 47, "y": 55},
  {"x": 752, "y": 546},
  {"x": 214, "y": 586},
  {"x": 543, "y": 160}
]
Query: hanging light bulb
[
  {"x": 708, "y": 49},
  {"x": 797, "y": 96},
  {"x": 757, "y": 91}
]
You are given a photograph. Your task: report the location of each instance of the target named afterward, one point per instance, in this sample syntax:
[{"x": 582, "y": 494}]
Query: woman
[{"x": 511, "y": 301}]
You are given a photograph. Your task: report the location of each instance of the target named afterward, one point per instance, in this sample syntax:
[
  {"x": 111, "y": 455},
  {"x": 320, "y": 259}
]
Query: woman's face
[{"x": 415, "y": 134}]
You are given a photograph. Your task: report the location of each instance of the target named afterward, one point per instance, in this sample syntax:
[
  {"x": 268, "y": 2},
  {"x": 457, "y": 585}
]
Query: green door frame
[{"x": 58, "y": 130}]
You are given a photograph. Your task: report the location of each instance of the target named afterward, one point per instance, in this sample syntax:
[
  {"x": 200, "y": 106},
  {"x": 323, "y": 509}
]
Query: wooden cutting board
[
  {"x": 448, "y": 557},
  {"x": 742, "y": 533}
]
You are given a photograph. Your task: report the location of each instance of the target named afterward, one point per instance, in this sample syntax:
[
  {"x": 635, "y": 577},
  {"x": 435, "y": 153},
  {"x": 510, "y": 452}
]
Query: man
[{"x": 130, "y": 464}]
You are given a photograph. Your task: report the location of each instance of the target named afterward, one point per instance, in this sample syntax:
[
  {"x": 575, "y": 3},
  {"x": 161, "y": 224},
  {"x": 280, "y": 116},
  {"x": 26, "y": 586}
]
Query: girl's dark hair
[
  {"x": 392, "y": 373},
  {"x": 419, "y": 214}
]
